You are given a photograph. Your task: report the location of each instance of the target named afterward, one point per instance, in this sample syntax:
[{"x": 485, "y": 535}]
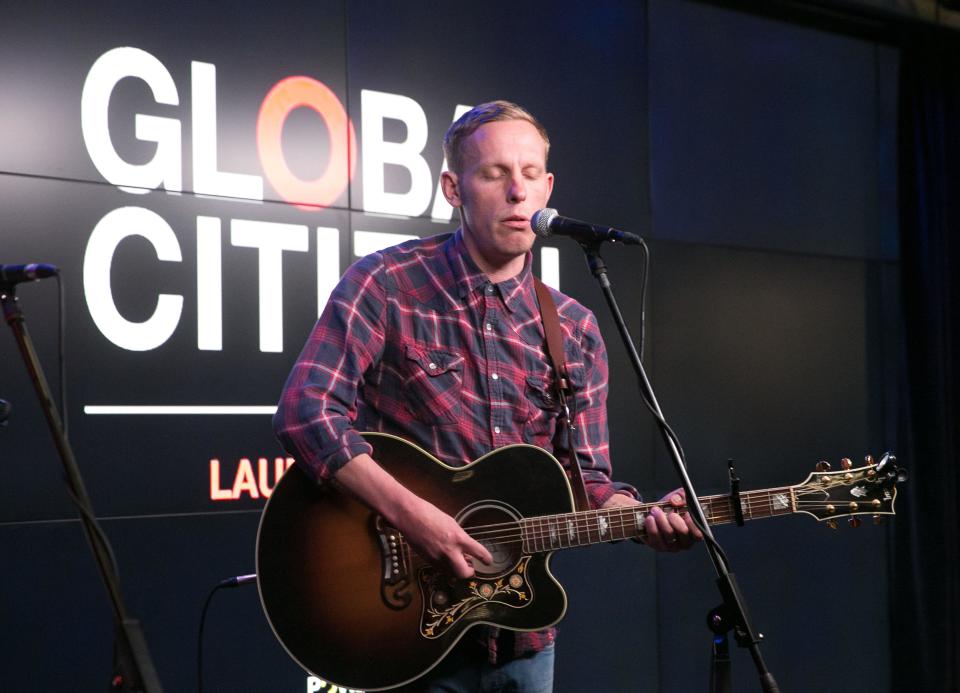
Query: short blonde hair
[{"x": 489, "y": 112}]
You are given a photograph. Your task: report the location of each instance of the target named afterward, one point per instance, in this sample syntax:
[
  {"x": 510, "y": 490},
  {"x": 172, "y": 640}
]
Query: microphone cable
[
  {"x": 661, "y": 421},
  {"x": 230, "y": 582}
]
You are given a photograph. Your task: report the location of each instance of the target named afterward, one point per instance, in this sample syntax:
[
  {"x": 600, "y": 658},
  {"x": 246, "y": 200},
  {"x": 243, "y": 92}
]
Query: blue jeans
[{"x": 465, "y": 671}]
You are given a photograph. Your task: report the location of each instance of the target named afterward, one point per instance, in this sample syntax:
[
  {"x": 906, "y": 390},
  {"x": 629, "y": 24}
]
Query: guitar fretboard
[{"x": 569, "y": 530}]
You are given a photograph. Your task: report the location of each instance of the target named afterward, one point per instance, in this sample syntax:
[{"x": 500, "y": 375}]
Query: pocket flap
[{"x": 434, "y": 362}]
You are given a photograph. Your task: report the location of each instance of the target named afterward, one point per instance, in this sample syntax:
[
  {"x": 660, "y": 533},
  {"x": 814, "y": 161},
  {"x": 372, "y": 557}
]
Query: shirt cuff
[
  {"x": 598, "y": 494},
  {"x": 348, "y": 445}
]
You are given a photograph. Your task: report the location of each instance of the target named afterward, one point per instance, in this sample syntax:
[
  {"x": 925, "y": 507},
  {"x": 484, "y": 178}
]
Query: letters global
[{"x": 164, "y": 170}]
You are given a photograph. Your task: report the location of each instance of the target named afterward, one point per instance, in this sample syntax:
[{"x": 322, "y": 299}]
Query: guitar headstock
[{"x": 847, "y": 492}]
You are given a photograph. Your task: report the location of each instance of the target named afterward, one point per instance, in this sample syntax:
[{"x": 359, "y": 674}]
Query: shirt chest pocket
[{"x": 432, "y": 384}]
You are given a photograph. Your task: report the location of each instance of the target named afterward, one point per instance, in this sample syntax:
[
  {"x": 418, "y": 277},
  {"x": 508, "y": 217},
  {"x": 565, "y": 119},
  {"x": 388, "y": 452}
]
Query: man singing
[{"x": 440, "y": 341}]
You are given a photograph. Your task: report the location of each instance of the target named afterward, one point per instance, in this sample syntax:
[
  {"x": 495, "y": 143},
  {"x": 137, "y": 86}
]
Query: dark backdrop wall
[{"x": 755, "y": 156}]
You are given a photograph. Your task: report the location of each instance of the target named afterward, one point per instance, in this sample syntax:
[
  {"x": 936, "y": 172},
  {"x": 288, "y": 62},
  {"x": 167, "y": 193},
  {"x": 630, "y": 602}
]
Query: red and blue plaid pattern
[{"x": 417, "y": 342}]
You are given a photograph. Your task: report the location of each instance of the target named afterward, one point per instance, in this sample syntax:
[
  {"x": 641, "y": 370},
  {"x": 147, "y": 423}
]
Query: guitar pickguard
[{"x": 447, "y": 600}]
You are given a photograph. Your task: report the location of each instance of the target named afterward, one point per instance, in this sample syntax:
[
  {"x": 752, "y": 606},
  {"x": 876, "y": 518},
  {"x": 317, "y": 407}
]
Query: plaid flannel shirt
[{"x": 416, "y": 341}]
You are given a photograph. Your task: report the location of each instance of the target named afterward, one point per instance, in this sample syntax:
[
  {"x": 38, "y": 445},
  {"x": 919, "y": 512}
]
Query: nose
[{"x": 518, "y": 189}]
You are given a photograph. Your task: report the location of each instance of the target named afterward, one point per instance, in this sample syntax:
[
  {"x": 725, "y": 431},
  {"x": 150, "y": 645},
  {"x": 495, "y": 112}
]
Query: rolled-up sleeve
[
  {"x": 593, "y": 436},
  {"x": 316, "y": 415}
]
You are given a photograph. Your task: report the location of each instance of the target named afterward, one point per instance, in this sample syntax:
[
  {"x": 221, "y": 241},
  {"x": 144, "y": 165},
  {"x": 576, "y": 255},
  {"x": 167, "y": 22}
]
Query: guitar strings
[
  {"x": 616, "y": 518},
  {"x": 569, "y": 529}
]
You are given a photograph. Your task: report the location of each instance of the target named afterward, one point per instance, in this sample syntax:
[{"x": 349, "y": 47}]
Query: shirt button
[
  {"x": 495, "y": 376},
  {"x": 496, "y": 429},
  {"x": 489, "y": 327},
  {"x": 432, "y": 366},
  {"x": 490, "y": 289}
]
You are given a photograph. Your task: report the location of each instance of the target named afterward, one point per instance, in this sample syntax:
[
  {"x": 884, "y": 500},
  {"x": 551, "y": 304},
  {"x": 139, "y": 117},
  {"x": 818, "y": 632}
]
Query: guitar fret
[
  {"x": 550, "y": 532},
  {"x": 616, "y": 524},
  {"x": 554, "y": 531}
]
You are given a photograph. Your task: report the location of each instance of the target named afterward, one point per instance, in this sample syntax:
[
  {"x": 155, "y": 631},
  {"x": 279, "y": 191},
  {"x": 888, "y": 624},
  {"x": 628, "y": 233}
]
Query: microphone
[
  {"x": 546, "y": 222},
  {"x": 15, "y": 274}
]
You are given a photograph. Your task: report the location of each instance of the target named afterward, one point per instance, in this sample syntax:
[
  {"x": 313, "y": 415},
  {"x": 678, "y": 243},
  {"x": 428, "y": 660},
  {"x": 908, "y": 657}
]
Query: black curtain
[{"x": 926, "y": 567}]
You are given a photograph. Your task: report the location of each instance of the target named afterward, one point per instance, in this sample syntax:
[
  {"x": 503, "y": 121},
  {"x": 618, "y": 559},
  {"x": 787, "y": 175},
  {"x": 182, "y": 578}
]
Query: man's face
[{"x": 502, "y": 183}]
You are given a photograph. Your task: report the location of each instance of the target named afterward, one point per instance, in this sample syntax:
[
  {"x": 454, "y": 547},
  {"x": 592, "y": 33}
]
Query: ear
[
  {"x": 549, "y": 187},
  {"x": 450, "y": 184}
]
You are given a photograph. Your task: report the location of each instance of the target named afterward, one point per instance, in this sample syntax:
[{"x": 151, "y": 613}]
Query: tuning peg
[
  {"x": 854, "y": 522},
  {"x": 832, "y": 524},
  {"x": 823, "y": 466},
  {"x": 878, "y": 519},
  {"x": 887, "y": 459},
  {"x": 846, "y": 463},
  {"x": 869, "y": 461}
]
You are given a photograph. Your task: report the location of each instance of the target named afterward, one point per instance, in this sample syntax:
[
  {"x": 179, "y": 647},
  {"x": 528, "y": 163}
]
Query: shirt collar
[{"x": 469, "y": 277}]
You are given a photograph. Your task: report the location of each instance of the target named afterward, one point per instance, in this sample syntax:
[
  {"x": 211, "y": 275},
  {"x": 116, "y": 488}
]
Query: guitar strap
[{"x": 564, "y": 390}]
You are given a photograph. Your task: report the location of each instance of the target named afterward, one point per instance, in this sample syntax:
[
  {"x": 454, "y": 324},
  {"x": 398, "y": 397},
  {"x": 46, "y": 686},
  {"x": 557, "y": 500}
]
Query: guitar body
[{"x": 346, "y": 613}]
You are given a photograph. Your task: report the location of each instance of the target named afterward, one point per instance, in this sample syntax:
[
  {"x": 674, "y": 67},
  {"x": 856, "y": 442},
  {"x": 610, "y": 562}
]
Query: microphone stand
[
  {"x": 133, "y": 668},
  {"x": 732, "y": 613}
]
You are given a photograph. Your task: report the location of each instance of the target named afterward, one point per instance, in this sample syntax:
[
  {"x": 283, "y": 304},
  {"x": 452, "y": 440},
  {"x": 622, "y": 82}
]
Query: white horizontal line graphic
[{"x": 176, "y": 409}]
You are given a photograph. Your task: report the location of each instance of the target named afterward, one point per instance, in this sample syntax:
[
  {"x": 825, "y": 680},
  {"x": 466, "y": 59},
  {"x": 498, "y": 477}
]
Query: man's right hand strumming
[{"x": 433, "y": 534}]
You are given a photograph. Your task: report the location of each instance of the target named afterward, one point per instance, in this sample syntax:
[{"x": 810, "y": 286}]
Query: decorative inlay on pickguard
[{"x": 448, "y": 600}]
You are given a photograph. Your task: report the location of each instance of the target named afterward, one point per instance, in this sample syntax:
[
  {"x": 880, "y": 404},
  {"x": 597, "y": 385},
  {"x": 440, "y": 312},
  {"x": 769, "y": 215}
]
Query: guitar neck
[{"x": 569, "y": 530}]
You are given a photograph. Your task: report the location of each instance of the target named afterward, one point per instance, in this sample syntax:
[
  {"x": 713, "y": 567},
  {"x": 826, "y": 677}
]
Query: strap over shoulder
[{"x": 565, "y": 394}]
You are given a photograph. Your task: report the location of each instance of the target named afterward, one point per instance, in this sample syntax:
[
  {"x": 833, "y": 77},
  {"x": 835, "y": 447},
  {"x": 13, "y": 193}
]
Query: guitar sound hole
[{"x": 496, "y": 526}]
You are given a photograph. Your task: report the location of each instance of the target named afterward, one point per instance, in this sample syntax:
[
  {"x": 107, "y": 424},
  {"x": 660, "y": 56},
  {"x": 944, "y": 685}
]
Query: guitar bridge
[{"x": 395, "y": 579}]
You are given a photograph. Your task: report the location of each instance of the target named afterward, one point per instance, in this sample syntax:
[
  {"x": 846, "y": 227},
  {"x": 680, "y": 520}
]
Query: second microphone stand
[
  {"x": 133, "y": 667},
  {"x": 732, "y": 613}
]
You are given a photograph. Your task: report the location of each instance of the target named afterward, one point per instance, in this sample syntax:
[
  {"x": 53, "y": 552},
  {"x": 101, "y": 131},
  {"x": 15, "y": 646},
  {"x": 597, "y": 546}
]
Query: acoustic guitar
[{"x": 353, "y": 604}]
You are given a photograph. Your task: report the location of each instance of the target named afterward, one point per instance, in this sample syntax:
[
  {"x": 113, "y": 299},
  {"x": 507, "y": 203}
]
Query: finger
[
  {"x": 677, "y": 498},
  {"x": 694, "y": 530},
  {"x": 459, "y": 565},
  {"x": 652, "y": 536},
  {"x": 682, "y": 533},
  {"x": 474, "y": 548},
  {"x": 673, "y": 530},
  {"x": 678, "y": 524},
  {"x": 660, "y": 529}
]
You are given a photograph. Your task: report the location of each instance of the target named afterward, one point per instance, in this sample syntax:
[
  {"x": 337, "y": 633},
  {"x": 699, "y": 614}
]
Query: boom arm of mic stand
[
  {"x": 733, "y": 604},
  {"x": 134, "y": 668}
]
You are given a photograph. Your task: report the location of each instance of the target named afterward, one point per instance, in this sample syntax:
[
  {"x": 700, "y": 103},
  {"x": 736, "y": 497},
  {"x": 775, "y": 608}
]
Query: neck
[
  {"x": 569, "y": 530},
  {"x": 497, "y": 269},
  {"x": 502, "y": 273}
]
